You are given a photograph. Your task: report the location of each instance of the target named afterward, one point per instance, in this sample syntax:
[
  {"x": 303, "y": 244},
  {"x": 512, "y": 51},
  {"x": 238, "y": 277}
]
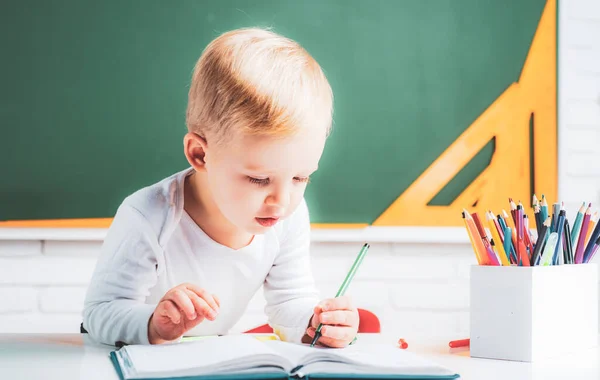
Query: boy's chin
[{"x": 257, "y": 229}]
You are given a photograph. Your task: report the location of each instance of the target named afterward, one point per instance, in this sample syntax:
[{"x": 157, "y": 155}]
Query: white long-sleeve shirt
[{"x": 153, "y": 245}]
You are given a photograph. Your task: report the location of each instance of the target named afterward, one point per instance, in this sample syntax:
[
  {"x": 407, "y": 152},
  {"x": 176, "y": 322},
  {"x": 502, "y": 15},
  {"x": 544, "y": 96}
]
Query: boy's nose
[{"x": 279, "y": 199}]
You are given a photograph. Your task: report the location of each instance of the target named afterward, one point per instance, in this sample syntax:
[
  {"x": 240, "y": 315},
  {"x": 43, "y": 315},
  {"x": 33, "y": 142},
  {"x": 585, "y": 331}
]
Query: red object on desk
[
  {"x": 460, "y": 343},
  {"x": 369, "y": 323},
  {"x": 402, "y": 344}
]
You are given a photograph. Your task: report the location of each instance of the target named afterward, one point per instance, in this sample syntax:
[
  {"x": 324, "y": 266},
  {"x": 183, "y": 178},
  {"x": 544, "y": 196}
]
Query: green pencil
[
  {"x": 345, "y": 284},
  {"x": 577, "y": 225}
]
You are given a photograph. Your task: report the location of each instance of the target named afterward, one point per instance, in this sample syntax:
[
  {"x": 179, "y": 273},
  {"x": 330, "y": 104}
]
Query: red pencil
[
  {"x": 402, "y": 344},
  {"x": 460, "y": 343}
]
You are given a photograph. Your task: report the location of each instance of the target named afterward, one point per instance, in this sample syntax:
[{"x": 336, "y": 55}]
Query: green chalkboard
[{"x": 93, "y": 93}]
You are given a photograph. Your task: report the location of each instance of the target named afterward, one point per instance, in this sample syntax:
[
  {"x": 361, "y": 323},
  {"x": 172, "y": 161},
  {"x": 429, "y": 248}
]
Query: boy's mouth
[{"x": 267, "y": 222}]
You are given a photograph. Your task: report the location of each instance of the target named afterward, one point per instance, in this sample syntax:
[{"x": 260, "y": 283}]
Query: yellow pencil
[
  {"x": 593, "y": 221},
  {"x": 497, "y": 240}
]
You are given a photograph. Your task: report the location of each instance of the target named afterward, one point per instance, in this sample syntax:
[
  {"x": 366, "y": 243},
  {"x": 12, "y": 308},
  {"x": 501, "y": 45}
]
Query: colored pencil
[
  {"x": 459, "y": 343},
  {"x": 478, "y": 248},
  {"x": 560, "y": 226},
  {"x": 594, "y": 250},
  {"x": 544, "y": 208},
  {"x": 485, "y": 239},
  {"x": 568, "y": 244},
  {"x": 508, "y": 246},
  {"x": 555, "y": 212},
  {"x": 593, "y": 221},
  {"x": 583, "y": 233},
  {"x": 549, "y": 249},
  {"x": 538, "y": 219},
  {"x": 527, "y": 233},
  {"x": 521, "y": 247},
  {"x": 497, "y": 225},
  {"x": 577, "y": 225},
  {"x": 592, "y": 241},
  {"x": 540, "y": 241},
  {"x": 496, "y": 240},
  {"x": 512, "y": 253},
  {"x": 344, "y": 286}
]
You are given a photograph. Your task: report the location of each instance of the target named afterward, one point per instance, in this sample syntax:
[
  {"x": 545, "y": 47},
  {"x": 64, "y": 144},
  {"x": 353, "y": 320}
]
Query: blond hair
[{"x": 257, "y": 82}]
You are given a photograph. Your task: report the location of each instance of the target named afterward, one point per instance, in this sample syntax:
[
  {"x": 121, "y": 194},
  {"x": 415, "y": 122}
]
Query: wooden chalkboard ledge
[{"x": 410, "y": 235}]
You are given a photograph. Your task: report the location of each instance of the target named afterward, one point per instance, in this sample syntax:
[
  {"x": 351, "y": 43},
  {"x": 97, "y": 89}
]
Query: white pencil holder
[{"x": 529, "y": 313}]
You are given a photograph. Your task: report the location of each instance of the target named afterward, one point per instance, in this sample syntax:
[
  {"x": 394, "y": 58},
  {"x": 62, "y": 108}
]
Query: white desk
[{"x": 75, "y": 357}]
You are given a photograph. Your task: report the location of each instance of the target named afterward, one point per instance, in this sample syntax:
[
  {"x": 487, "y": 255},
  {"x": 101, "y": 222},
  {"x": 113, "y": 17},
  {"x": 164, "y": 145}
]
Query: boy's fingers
[
  {"x": 314, "y": 321},
  {"x": 338, "y": 333},
  {"x": 329, "y": 342},
  {"x": 340, "y": 303},
  {"x": 201, "y": 306},
  {"x": 217, "y": 300},
  {"x": 171, "y": 311},
  {"x": 339, "y": 317},
  {"x": 181, "y": 299},
  {"x": 204, "y": 295}
]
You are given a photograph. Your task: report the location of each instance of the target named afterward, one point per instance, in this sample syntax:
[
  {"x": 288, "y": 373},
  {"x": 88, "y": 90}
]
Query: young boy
[{"x": 186, "y": 255}]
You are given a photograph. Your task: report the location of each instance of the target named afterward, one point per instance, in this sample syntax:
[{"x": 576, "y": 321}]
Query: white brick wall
[
  {"x": 418, "y": 290},
  {"x": 579, "y": 102}
]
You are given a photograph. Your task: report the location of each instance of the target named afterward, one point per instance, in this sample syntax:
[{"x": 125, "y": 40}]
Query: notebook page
[
  {"x": 371, "y": 359},
  {"x": 295, "y": 353},
  {"x": 210, "y": 352}
]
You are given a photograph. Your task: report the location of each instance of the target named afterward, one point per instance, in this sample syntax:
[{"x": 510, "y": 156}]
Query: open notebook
[{"x": 237, "y": 356}]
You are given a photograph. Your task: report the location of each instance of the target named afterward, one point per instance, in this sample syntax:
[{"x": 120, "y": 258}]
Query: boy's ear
[{"x": 194, "y": 147}]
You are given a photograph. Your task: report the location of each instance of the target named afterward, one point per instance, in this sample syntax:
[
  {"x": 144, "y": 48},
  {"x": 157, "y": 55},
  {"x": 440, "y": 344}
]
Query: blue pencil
[
  {"x": 560, "y": 226},
  {"x": 590, "y": 245}
]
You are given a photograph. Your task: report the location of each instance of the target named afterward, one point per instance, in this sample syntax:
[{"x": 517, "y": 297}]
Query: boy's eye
[
  {"x": 302, "y": 179},
  {"x": 259, "y": 181}
]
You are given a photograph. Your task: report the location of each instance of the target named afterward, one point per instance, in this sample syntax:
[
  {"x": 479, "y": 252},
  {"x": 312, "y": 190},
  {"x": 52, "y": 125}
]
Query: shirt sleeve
[
  {"x": 114, "y": 307},
  {"x": 289, "y": 288}
]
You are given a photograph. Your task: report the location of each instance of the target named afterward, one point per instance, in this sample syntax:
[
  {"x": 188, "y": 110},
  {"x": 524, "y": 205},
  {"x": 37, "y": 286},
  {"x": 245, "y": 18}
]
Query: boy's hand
[
  {"x": 181, "y": 309},
  {"x": 339, "y": 319}
]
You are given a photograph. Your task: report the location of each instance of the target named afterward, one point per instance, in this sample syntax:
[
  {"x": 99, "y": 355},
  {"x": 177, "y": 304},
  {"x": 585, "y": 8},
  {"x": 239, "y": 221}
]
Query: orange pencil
[
  {"x": 593, "y": 221},
  {"x": 476, "y": 242}
]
